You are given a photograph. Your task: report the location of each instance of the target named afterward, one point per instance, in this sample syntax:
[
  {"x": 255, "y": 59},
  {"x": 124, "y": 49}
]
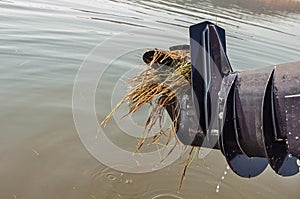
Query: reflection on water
[{"x": 43, "y": 44}]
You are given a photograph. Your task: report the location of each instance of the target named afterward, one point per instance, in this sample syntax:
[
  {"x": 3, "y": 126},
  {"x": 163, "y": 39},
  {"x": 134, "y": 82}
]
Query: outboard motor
[{"x": 252, "y": 116}]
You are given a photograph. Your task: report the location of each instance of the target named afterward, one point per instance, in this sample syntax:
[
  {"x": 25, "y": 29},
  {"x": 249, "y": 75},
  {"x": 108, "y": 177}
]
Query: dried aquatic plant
[
  {"x": 157, "y": 85},
  {"x": 167, "y": 74}
]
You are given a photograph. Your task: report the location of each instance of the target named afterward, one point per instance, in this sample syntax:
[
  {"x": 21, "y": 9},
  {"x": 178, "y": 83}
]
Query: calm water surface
[{"x": 42, "y": 46}]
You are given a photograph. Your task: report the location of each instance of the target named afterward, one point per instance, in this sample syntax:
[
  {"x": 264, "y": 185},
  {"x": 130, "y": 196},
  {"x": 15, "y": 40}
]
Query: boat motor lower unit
[{"x": 252, "y": 116}]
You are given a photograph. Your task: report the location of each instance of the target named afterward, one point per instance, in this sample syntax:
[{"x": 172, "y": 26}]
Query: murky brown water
[{"x": 42, "y": 46}]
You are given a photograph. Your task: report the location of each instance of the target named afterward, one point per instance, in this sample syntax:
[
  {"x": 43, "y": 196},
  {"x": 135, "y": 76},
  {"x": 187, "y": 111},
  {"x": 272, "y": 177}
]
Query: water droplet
[
  {"x": 225, "y": 172},
  {"x": 222, "y": 178},
  {"x": 297, "y": 138},
  {"x": 222, "y": 93},
  {"x": 128, "y": 181},
  {"x": 221, "y": 115},
  {"x": 290, "y": 133},
  {"x": 215, "y": 132},
  {"x": 218, "y": 188},
  {"x": 227, "y": 167}
]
